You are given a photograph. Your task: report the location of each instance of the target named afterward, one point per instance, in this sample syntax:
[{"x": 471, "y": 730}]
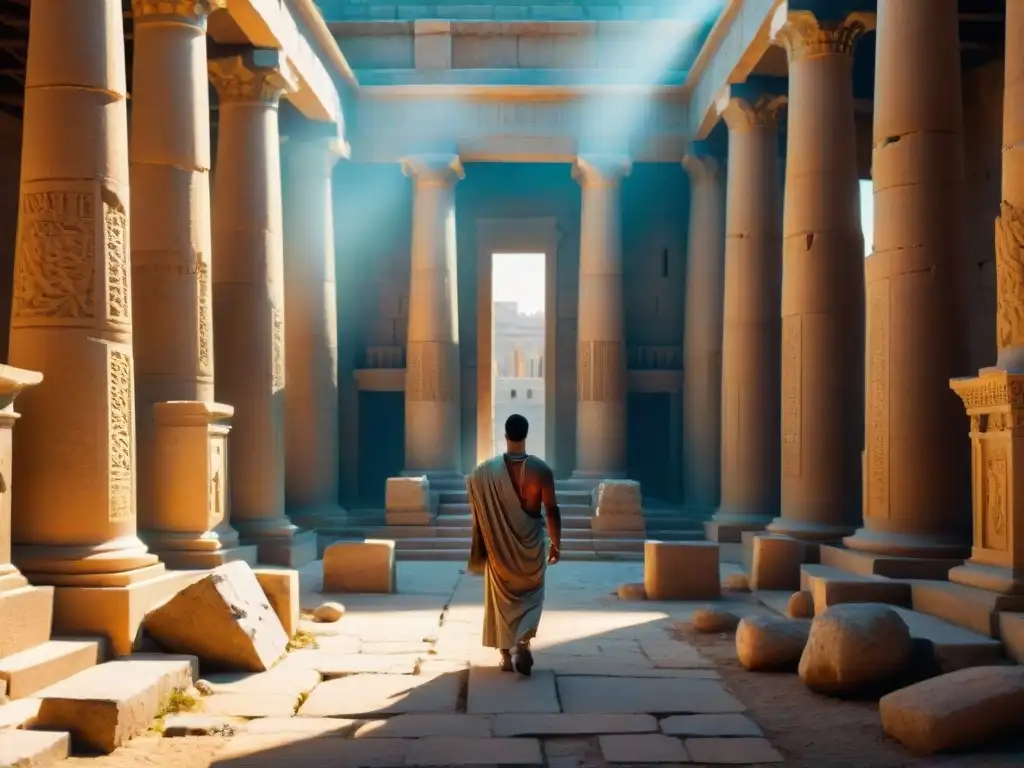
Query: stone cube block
[
  {"x": 281, "y": 586},
  {"x": 681, "y": 570},
  {"x": 223, "y": 618},
  {"x": 407, "y": 501},
  {"x": 432, "y": 44},
  {"x": 618, "y": 506},
  {"x": 776, "y": 563},
  {"x": 360, "y": 566}
]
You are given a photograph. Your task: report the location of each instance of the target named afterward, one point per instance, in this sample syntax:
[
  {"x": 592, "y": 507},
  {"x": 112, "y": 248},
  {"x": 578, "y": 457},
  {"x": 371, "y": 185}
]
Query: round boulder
[
  {"x": 770, "y": 643},
  {"x": 736, "y": 582},
  {"x": 329, "y": 612},
  {"x": 632, "y": 592},
  {"x": 712, "y": 619},
  {"x": 853, "y": 647},
  {"x": 800, "y": 605}
]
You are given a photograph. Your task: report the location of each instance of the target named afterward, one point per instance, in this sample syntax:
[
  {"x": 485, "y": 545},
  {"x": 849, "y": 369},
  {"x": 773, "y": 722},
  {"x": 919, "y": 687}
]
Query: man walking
[{"x": 505, "y": 496}]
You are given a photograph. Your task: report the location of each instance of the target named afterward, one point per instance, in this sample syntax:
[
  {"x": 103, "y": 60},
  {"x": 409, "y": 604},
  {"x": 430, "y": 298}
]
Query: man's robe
[{"x": 508, "y": 548}]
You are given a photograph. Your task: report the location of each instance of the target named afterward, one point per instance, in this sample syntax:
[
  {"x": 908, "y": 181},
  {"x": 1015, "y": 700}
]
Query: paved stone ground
[{"x": 402, "y": 680}]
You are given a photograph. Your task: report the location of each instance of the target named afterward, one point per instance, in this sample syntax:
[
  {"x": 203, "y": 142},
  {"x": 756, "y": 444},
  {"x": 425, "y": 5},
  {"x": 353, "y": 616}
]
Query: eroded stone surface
[
  {"x": 712, "y": 619},
  {"x": 770, "y": 642},
  {"x": 368, "y": 695},
  {"x": 26, "y": 749}
]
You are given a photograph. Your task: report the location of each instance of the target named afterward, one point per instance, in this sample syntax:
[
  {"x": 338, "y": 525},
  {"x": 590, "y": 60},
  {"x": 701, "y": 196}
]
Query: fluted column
[
  {"x": 170, "y": 165},
  {"x": 822, "y": 288},
  {"x": 248, "y": 298},
  {"x": 311, "y": 330},
  {"x": 601, "y": 324},
  {"x": 702, "y": 334},
  {"x": 914, "y": 505},
  {"x": 432, "y": 407},
  {"x": 751, "y": 326},
  {"x": 74, "y": 513}
]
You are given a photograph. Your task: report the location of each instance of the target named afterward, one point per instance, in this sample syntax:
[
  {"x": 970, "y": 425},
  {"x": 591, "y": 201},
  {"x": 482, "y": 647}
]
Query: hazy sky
[{"x": 519, "y": 277}]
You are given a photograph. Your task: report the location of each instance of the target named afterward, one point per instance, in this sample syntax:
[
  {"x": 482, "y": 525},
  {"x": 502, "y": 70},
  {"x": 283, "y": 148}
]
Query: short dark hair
[{"x": 516, "y": 428}]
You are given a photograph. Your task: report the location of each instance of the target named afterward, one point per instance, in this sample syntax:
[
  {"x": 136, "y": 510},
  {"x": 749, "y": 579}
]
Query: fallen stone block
[
  {"x": 712, "y": 619},
  {"x": 225, "y": 619},
  {"x": 771, "y": 642},
  {"x": 681, "y": 570},
  {"x": 618, "y": 506},
  {"x": 855, "y": 646},
  {"x": 800, "y": 605},
  {"x": 775, "y": 562},
  {"x": 407, "y": 501},
  {"x": 105, "y": 706},
  {"x": 360, "y": 566},
  {"x": 963, "y": 709},
  {"x": 281, "y": 586},
  {"x": 24, "y": 749}
]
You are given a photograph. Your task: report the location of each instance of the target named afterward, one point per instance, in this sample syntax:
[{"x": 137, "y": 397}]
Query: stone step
[
  {"x": 18, "y": 714},
  {"x": 30, "y": 671},
  {"x": 830, "y": 586},
  {"x": 105, "y": 706},
  {"x": 975, "y": 609},
  {"x": 32, "y": 748},
  {"x": 1011, "y": 632}
]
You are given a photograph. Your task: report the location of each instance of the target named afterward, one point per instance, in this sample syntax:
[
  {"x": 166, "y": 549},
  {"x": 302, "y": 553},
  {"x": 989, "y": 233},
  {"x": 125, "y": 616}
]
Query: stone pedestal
[
  {"x": 311, "y": 330},
  {"x": 408, "y": 501},
  {"x": 751, "y": 329},
  {"x": 433, "y": 435},
  {"x": 822, "y": 289},
  {"x": 618, "y": 506},
  {"x": 191, "y": 510},
  {"x": 916, "y": 501},
  {"x": 248, "y": 299},
  {"x": 25, "y": 611},
  {"x": 702, "y": 334},
  {"x": 601, "y": 344}
]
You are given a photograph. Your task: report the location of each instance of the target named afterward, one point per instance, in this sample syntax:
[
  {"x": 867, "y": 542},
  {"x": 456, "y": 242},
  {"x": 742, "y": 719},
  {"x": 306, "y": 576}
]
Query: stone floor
[{"x": 401, "y": 680}]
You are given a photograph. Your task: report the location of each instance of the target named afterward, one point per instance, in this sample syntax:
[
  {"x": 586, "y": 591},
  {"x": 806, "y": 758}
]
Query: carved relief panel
[
  {"x": 121, "y": 426},
  {"x": 217, "y": 477}
]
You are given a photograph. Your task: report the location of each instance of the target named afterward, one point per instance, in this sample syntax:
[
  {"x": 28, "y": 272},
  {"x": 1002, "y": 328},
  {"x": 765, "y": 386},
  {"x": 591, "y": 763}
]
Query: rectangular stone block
[
  {"x": 830, "y": 586},
  {"x": 681, "y": 570},
  {"x": 776, "y": 563},
  {"x": 408, "y": 501},
  {"x": 22, "y": 749},
  {"x": 26, "y": 616},
  {"x": 432, "y": 47},
  {"x": 225, "y": 619},
  {"x": 40, "y": 667},
  {"x": 281, "y": 586},
  {"x": 360, "y": 566},
  {"x": 106, "y": 706}
]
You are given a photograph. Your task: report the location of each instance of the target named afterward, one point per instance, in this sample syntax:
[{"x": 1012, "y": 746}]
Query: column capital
[
  {"x": 433, "y": 170},
  {"x": 601, "y": 170},
  {"x": 192, "y": 11},
  {"x": 742, "y": 114},
  {"x": 803, "y": 35},
  {"x": 259, "y": 77},
  {"x": 702, "y": 168}
]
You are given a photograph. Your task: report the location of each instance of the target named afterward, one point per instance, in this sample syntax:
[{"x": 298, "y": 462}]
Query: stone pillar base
[
  {"x": 26, "y": 614},
  {"x": 115, "y": 613},
  {"x": 197, "y": 560},
  {"x": 805, "y": 531},
  {"x": 905, "y": 545},
  {"x": 892, "y": 567},
  {"x": 728, "y": 527},
  {"x": 991, "y": 578},
  {"x": 112, "y": 576},
  {"x": 292, "y": 549}
]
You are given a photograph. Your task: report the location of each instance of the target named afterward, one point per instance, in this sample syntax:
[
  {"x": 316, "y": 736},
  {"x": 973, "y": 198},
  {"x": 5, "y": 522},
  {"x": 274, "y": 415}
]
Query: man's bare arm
[{"x": 552, "y": 515}]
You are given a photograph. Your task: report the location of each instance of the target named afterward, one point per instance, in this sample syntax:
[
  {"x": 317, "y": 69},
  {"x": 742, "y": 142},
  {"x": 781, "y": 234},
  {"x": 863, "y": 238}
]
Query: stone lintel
[
  {"x": 601, "y": 170},
  {"x": 804, "y": 34},
  {"x": 257, "y": 75},
  {"x": 13, "y": 381},
  {"x": 753, "y": 104},
  {"x": 433, "y": 169},
  {"x": 180, "y": 11}
]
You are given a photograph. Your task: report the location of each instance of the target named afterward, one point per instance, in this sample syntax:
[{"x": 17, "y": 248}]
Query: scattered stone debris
[
  {"x": 771, "y": 643},
  {"x": 736, "y": 582},
  {"x": 800, "y": 605},
  {"x": 712, "y": 619},
  {"x": 632, "y": 592},
  {"x": 199, "y": 725},
  {"x": 854, "y": 646},
  {"x": 329, "y": 612},
  {"x": 203, "y": 687}
]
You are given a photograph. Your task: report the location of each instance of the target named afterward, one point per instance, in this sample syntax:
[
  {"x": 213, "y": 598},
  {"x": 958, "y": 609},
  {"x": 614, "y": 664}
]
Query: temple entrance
[{"x": 518, "y": 339}]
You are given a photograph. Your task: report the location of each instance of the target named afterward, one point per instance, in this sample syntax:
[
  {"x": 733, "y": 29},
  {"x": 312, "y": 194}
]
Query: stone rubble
[{"x": 771, "y": 642}]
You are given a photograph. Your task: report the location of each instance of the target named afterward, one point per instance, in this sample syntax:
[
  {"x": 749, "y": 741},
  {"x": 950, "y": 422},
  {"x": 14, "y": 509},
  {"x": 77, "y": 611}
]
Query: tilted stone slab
[
  {"x": 225, "y": 619},
  {"x": 105, "y": 706}
]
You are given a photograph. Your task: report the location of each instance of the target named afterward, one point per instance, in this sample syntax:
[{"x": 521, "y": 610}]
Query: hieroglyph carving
[
  {"x": 878, "y": 401},
  {"x": 115, "y": 230},
  {"x": 602, "y": 372},
  {"x": 1009, "y": 276},
  {"x": 792, "y": 373},
  {"x": 278, "y": 349},
  {"x": 994, "y": 497},
  {"x": 989, "y": 394},
  {"x": 119, "y": 415},
  {"x": 430, "y": 372},
  {"x": 217, "y": 464},
  {"x": 204, "y": 320}
]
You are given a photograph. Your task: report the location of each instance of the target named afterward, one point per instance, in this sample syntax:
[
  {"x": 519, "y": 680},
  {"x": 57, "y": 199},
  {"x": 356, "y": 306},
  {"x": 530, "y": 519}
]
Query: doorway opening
[{"x": 518, "y": 337}]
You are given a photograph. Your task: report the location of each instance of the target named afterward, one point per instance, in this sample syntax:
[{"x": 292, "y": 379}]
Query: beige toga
[{"x": 509, "y": 549}]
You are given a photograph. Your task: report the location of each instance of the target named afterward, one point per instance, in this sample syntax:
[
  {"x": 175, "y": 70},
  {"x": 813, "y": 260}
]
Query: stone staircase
[{"x": 448, "y": 537}]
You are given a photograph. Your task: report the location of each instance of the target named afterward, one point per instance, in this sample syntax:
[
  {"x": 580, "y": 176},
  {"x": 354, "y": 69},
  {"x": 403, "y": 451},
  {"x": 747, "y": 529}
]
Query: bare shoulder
[{"x": 542, "y": 470}]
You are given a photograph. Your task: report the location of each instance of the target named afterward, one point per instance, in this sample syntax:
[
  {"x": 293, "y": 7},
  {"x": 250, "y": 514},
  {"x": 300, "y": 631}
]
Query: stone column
[
  {"x": 74, "y": 515},
  {"x": 601, "y": 328},
  {"x": 170, "y": 165},
  {"x": 750, "y": 332},
  {"x": 914, "y": 490},
  {"x": 248, "y": 299},
  {"x": 312, "y": 463},
  {"x": 995, "y": 398},
  {"x": 822, "y": 288},
  {"x": 702, "y": 334},
  {"x": 432, "y": 386}
]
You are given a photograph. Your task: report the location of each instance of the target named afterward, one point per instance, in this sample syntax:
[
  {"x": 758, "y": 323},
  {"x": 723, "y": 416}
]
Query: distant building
[{"x": 518, "y": 367}]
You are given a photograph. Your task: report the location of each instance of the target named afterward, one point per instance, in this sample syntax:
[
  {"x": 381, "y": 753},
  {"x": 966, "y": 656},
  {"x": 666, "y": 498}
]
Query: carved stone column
[
  {"x": 248, "y": 299},
  {"x": 822, "y": 288},
  {"x": 702, "y": 334},
  {"x": 915, "y": 501},
  {"x": 601, "y": 342},
  {"x": 74, "y": 514},
  {"x": 311, "y": 331},
  {"x": 170, "y": 165},
  {"x": 750, "y": 336},
  {"x": 432, "y": 405},
  {"x": 995, "y": 398}
]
